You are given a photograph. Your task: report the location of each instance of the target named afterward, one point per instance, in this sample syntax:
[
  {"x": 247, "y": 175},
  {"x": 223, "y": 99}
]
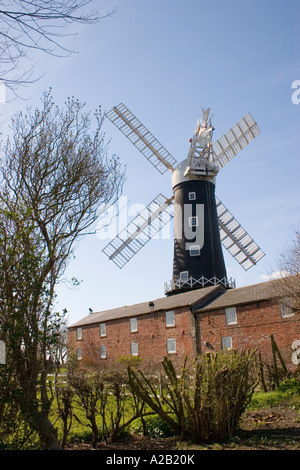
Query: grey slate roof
[
  {"x": 188, "y": 298},
  {"x": 244, "y": 295},
  {"x": 199, "y": 300}
]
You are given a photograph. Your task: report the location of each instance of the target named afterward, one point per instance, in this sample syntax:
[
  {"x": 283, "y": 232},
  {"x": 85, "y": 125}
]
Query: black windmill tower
[{"x": 202, "y": 224}]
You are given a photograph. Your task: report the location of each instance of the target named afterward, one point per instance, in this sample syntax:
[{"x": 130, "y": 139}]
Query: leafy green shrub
[
  {"x": 85, "y": 435},
  {"x": 155, "y": 427},
  {"x": 290, "y": 387}
]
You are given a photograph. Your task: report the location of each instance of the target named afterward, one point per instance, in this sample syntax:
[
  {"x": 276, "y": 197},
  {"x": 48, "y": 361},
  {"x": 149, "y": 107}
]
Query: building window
[
  {"x": 184, "y": 275},
  {"x": 170, "y": 318},
  {"x": 79, "y": 333},
  {"x": 103, "y": 329},
  {"x": 194, "y": 250},
  {"x": 171, "y": 345},
  {"x": 193, "y": 221},
  {"x": 192, "y": 196},
  {"x": 102, "y": 352},
  {"x": 134, "y": 349},
  {"x": 226, "y": 342},
  {"x": 133, "y": 325},
  {"x": 286, "y": 308},
  {"x": 78, "y": 354},
  {"x": 230, "y": 314}
]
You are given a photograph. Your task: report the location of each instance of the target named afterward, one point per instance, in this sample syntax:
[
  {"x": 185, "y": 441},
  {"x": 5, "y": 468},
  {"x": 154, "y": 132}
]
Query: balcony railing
[{"x": 202, "y": 282}]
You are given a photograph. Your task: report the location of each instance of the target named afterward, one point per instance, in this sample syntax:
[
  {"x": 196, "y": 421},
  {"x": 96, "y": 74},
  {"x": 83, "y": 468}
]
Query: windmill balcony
[{"x": 189, "y": 283}]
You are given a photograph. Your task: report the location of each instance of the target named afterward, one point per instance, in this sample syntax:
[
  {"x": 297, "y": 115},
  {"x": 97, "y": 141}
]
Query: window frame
[
  {"x": 223, "y": 340},
  {"x": 168, "y": 323},
  {"x": 286, "y": 309},
  {"x": 79, "y": 354},
  {"x": 102, "y": 326},
  {"x": 132, "y": 329},
  {"x": 228, "y": 314},
  {"x": 134, "y": 344},
  {"x": 193, "y": 221},
  {"x": 103, "y": 346},
  {"x": 79, "y": 333},
  {"x": 168, "y": 342},
  {"x": 192, "y": 196},
  {"x": 194, "y": 247},
  {"x": 185, "y": 273}
]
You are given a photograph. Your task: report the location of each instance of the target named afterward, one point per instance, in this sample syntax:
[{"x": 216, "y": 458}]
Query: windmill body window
[
  {"x": 184, "y": 275},
  {"x": 170, "y": 319},
  {"x": 192, "y": 196},
  {"x": 79, "y": 334},
  {"x": 133, "y": 325},
  {"x": 134, "y": 349},
  {"x": 230, "y": 314},
  {"x": 102, "y": 352},
  {"x": 103, "y": 329},
  {"x": 193, "y": 221},
  {"x": 171, "y": 345},
  {"x": 226, "y": 342},
  {"x": 194, "y": 250}
]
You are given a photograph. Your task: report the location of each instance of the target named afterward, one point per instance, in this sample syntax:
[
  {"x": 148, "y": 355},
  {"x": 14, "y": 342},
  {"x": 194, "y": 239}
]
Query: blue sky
[{"x": 165, "y": 60}]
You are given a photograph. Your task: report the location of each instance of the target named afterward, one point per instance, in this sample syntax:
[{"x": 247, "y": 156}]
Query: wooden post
[
  {"x": 276, "y": 376},
  {"x": 280, "y": 356},
  {"x": 262, "y": 374}
]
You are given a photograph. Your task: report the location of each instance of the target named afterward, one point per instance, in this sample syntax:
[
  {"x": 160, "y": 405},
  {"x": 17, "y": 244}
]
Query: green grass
[{"x": 287, "y": 394}]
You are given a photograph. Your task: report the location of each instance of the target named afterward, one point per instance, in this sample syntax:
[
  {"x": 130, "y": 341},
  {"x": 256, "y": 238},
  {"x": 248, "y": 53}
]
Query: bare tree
[
  {"x": 288, "y": 273},
  {"x": 54, "y": 166},
  {"x": 36, "y": 25},
  {"x": 55, "y": 178}
]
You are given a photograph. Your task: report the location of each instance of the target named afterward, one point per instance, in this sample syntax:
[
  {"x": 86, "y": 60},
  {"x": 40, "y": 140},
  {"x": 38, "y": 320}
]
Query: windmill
[{"x": 202, "y": 223}]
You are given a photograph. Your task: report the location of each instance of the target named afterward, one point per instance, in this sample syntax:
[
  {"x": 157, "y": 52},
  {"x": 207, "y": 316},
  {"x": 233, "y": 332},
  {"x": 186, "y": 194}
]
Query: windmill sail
[
  {"x": 236, "y": 240},
  {"x": 140, "y": 230},
  {"x": 234, "y": 140},
  {"x": 146, "y": 143}
]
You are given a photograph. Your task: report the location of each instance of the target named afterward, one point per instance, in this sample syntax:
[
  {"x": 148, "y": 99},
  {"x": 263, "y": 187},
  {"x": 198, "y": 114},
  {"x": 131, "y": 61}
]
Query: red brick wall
[
  {"x": 151, "y": 337},
  {"x": 255, "y": 324}
]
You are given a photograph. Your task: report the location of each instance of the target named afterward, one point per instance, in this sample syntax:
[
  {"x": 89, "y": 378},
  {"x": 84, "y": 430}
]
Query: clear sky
[{"x": 165, "y": 60}]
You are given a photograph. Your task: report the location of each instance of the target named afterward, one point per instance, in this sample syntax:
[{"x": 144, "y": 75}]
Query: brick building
[{"x": 190, "y": 323}]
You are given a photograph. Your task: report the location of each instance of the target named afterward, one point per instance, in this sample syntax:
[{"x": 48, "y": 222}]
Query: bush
[
  {"x": 84, "y": 436},
  {"x": 290, "y": 387},
  {"x": 155, "y": 427},
  {"x": 202, "y": 402}
]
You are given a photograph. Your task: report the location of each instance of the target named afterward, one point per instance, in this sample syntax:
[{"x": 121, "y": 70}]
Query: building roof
[
  {"x": 199, "y": 300},
  {"x": 190, "y": 298},
  {"x": 245, "y": 295}
]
